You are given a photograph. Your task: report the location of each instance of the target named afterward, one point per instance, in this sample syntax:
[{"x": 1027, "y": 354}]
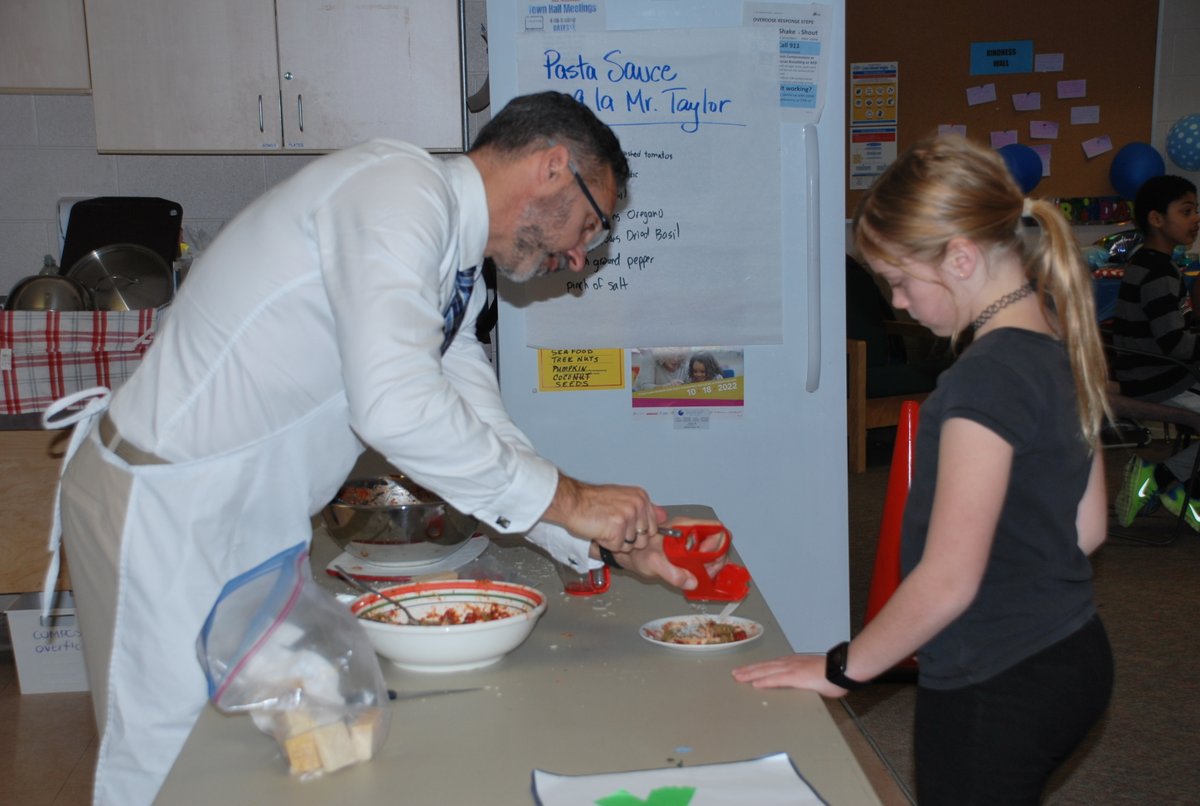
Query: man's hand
[
  {"x": 614, "y": 516},
  {"x": 652, "y": 562}
]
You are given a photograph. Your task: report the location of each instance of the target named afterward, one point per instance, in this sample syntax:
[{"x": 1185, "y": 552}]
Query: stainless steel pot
[
  {"x": 125, "y": 277},
  {"x": 48, "y": 292},
  {"x": 390, "y": 520}
]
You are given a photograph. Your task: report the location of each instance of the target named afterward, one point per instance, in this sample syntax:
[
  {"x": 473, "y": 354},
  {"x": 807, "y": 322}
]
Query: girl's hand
[{"x": 791, "y": 671}]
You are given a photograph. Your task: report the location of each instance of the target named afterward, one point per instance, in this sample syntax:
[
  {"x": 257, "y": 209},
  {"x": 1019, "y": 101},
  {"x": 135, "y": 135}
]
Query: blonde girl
[{"x": 1007, "y": 498}]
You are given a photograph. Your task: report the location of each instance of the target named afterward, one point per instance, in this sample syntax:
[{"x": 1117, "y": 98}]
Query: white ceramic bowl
[{"x": 457, "y": 646}]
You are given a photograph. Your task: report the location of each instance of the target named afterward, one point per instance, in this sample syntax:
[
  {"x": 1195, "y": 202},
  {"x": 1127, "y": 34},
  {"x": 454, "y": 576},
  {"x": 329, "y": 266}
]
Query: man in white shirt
[{"x": 322, "y": 320}]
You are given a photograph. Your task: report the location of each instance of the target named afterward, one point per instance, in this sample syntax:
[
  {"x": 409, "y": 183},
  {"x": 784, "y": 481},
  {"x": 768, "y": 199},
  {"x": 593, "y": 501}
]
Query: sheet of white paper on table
[{"x": 761, "y": 781}]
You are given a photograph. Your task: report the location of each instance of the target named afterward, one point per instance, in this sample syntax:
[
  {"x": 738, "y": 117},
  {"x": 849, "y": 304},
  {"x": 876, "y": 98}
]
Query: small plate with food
[{"x": 701, "y": 633}]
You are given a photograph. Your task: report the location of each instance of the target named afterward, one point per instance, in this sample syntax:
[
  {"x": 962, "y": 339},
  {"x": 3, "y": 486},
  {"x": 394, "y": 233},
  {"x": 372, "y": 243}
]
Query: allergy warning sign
[{"x": 574, "y": 370}]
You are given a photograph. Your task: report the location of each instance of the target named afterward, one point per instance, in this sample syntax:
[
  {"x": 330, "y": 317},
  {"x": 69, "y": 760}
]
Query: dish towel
[{"x": 464, "y": 283}]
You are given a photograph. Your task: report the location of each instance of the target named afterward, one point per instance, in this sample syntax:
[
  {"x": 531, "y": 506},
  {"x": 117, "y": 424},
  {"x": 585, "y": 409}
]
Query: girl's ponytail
[{"x": 1064, "y": 286}]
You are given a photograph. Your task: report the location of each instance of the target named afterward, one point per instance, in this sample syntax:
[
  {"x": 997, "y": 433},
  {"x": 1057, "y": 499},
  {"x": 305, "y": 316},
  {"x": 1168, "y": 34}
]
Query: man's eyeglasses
[{"x": 594, "y": 239}]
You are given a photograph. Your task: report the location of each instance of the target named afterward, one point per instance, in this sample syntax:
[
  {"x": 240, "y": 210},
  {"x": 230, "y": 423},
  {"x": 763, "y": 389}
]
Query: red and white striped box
[{"x": 45, "y": 355}]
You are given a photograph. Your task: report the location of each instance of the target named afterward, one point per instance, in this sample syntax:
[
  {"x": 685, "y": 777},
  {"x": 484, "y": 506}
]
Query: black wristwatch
[
  {"x": 835, "y": 668},
  {"x": 607, "y": 557}
]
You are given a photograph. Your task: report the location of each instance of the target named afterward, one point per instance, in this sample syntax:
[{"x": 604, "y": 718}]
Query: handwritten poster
[{"x": 694, "y": 255}]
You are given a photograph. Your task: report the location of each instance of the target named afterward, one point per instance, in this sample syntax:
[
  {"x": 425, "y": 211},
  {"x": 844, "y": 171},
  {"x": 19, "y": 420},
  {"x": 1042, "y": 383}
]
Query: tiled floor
[{"x": 47, "y": 744}]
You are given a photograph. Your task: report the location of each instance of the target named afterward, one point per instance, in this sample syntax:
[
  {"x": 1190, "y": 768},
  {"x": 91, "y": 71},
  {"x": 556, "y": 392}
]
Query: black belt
[{"x": 126, "y": 450}]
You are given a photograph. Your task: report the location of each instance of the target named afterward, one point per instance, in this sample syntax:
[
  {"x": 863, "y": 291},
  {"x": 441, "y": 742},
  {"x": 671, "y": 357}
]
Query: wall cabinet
[
  {"x": 234, "y": 76},
  {"x": 43, "y": 46}
]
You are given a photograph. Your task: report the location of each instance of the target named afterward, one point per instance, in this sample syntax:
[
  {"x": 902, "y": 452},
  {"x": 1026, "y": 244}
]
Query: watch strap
[{"x": 835, "y": 668}]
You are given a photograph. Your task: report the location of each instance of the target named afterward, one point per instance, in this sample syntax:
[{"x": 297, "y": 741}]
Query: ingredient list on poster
[{"x": 697, "y": 112}]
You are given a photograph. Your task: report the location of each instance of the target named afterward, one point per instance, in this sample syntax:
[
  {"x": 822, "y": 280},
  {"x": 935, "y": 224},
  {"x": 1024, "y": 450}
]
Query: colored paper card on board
[
  {"x": 1074, "y": 88},
  {"x": 959, "y": 129},
  {"x": 1027, "y": 101},
  {"x": 983, "y": 94},
  {"x": 1043, "y": 130},
  {"x": 1084, "y": 114},
  {"x": 1097, "y": 146},
  {"x": 1004, "y": 138},
  {"x": 1048, "y": 63},
  {"x": 1043, "y": 152},
  {"x": 994, "y": 58}
]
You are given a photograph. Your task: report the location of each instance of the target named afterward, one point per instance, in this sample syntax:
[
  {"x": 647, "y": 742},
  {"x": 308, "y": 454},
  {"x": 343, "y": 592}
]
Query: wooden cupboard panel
[
  {"x": 43, "y": 47},
  {"x": 29, "y": 465},
  {"x": 237, "y": 76},
  {"x": 384, "y": 70},
  {"x": 184, "y": 76}
]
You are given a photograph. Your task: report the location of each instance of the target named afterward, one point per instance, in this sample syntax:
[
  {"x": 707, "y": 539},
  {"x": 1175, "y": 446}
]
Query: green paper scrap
[{"x": 663, "y": 796}]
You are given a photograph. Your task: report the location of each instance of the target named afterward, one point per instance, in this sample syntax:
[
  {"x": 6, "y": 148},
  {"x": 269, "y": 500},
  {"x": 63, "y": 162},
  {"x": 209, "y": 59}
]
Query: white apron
[{"x": 150, "y": 547}]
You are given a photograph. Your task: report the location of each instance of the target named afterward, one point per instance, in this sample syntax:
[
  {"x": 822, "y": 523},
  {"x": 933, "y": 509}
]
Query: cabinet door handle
[
  {"x": 260, "y": 114},
  {"x": 300, "y": 111}
]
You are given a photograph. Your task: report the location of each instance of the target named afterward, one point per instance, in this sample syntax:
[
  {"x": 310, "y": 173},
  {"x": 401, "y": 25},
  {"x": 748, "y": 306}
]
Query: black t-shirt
[{"x": 1037, "y": 588}]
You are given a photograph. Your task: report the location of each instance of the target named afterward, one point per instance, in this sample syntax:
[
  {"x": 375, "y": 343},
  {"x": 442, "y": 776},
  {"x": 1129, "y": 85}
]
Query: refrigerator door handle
[{"x": 812, "y": 184}]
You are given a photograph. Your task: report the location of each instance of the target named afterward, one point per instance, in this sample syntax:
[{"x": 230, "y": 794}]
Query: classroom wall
[
  {"x": 1109, "y": 43},
  {"x": 1177, "y": 81}
]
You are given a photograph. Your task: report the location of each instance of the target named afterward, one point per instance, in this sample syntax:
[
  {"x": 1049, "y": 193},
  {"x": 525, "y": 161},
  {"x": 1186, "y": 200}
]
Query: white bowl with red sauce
[{"x": 465, "y": 623}]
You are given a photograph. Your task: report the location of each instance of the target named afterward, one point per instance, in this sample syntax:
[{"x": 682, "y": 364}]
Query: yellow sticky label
[{"x": 573, "y": 370}]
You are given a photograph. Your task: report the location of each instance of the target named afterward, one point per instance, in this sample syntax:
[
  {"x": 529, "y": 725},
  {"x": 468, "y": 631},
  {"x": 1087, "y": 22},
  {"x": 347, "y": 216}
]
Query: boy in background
[{"x": 1154, "y": 314}]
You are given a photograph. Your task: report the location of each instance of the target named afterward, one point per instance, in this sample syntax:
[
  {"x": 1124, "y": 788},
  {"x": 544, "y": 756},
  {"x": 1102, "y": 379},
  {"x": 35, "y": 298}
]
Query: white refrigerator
[{"x": 731, "y": 236}]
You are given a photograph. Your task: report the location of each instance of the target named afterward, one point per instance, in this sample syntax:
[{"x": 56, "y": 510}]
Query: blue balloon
[
  {"x": 1133, "y": 165},
  {"x": 1024, "y": 164},
  {"x": 1183, "y": 142}
]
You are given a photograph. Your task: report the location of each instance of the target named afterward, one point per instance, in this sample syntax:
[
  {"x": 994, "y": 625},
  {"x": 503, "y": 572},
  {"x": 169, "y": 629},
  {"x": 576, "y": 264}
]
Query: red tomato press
[{"x": 681, "y": 544}]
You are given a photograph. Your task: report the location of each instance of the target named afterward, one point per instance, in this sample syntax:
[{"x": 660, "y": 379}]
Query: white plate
[
  {"x": 652, "y": 631},
  {"x": 375, "y": 572}
]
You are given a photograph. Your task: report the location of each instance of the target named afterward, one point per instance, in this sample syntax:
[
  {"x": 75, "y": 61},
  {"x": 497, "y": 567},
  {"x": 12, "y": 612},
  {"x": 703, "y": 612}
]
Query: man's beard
[{"x": 529, "y": 241}]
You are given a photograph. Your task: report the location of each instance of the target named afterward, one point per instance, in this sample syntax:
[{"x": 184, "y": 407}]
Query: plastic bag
[{"x": 279, "y": 647}]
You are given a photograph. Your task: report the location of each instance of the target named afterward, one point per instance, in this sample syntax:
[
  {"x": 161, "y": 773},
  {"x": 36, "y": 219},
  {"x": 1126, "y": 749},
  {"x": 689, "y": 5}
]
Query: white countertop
[{"x": 584, "y": 694}]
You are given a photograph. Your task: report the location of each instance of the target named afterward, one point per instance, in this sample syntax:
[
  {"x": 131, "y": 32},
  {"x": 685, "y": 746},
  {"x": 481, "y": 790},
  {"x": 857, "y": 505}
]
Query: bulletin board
[{"x": 1109, "y": 43}]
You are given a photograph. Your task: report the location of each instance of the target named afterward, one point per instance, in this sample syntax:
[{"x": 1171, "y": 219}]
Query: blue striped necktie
[{"x": 464, "y": 282}]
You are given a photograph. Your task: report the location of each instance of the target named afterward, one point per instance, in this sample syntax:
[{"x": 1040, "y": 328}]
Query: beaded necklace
[{"x": 1001, "y": 304}]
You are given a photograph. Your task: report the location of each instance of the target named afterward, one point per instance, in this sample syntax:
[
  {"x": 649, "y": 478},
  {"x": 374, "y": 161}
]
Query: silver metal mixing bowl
[{"x": 366, "y": 521}]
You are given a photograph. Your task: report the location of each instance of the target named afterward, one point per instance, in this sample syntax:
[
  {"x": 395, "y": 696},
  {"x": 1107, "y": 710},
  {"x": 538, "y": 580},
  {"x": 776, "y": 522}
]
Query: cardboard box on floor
[{"x": 49, "y": 655}]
